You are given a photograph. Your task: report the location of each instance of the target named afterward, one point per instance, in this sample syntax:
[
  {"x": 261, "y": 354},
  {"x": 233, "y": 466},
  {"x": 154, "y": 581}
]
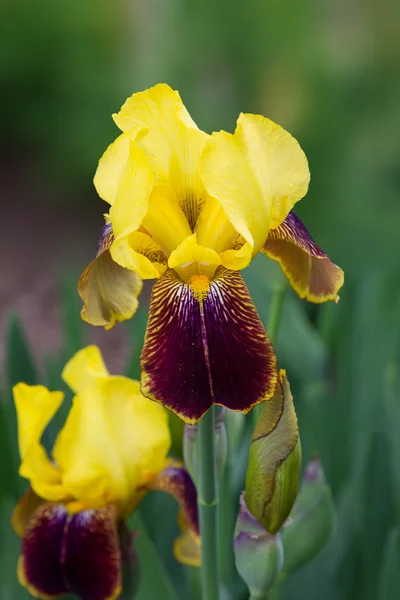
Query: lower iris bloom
[
  {"x": 191, "y": 210},
  {"x": 111, "y": 451}
]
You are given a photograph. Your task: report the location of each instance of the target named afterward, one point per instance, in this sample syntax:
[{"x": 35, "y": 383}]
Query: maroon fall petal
[
  {"x": 309, "y": 270},
  {"x": 79, "y": 553},
  {"x": 91, "y": 556},
  {"x": 199, "y": 352},
  {"x": 176, "y": 480},
  {"x": 39, "y": 567}
]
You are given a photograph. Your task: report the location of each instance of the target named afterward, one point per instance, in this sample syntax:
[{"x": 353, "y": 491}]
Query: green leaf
[
  {"x": 389, "y": 587},
  {"x": 19, "y": 367},
  {"x": 19, "y": 361},
  {"x": 154, "y": 579}
]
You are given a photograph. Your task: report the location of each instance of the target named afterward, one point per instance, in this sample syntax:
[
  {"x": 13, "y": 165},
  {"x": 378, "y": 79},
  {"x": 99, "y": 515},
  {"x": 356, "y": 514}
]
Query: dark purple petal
[
  {"x": 176, "y": 480},
  {"x": 40, "y": 567},
  {"x": 204, "y": 350},
  {"x": 77, "y": 553},
  {"x": 91, "y": 556},
  {"x": 309, "y": 270}
]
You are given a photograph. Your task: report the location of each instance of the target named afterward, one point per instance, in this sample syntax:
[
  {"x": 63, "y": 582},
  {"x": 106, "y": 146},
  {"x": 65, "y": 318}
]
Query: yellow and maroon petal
[
  {"x": 109, "y": 291},
  {"x": 92, "y": 559},
  {"x": 176, "y": 480},
  {"x": 78, "y": 553},
  {"x": 29, "y": 502},
  {"x": 309, "y": 270},
  {"x": 205, "y": 344},
  {"x": 39, "y": 567}
]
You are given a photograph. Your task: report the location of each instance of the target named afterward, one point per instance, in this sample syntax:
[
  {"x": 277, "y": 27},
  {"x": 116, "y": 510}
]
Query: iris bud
[
  {"x": 191, "y": 446},
  {"x": 313, "y": 519},
  {"x": 258, "y": 554},
  {"x": 275, "y": 460}
]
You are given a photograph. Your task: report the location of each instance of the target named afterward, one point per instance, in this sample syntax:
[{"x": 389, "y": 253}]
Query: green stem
[
  {"x": 274, "y": 320},
  {"x": 275, "y": 312},
  {"x": 208, "y": 504}
]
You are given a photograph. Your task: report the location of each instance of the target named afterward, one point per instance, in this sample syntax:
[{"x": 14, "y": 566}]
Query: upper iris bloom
[
  {"x": 110, "y": 452},
  {"x": 191, "y": 210}
]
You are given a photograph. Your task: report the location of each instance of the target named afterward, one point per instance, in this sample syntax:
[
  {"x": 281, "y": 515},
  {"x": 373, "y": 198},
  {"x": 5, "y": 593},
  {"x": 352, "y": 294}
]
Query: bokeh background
[{"x": 326, "y": 71}]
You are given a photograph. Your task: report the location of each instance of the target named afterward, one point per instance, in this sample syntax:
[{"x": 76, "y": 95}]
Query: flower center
[{"x": 200, "y": 286}]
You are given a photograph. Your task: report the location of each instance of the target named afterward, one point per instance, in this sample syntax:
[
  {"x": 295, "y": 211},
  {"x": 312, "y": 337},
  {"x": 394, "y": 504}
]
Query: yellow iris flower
[
  {"x": 111, "y": 451},
  {"x": 191, "y": 210}
]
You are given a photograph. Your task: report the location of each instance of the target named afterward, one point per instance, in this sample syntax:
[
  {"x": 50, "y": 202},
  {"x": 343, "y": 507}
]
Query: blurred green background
[{"x": 326, "y": 71}]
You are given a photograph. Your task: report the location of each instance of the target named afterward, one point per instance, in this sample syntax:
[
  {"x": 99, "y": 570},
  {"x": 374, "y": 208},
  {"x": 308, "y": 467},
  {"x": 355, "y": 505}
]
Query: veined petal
[
  {"x": 92, "y": 560},
  {"x": 165, "y": 219},
  {"x": 176, "y": 480},
  {"x": 39, "y": 567},
  {"x": 36, "y": 406},
  {"x": 173, "y": 143},
  {"x": 310, "y": 272},
  {"x": 114, "y": 441},
  {"x": 139, "y": 253},
  {"x": 278, "y": 162},
  {"x": 109, "y": 291},
  {"x": 190, "y": 257},
  {"x": 206, "y": 345},
  {"x": 84, "y": 368},
  {"x": 63, "y": 553}
]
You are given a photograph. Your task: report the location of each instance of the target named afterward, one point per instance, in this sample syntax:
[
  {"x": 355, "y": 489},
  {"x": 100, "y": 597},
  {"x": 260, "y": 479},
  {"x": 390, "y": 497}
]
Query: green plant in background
[{"x": 311, "y": 72}]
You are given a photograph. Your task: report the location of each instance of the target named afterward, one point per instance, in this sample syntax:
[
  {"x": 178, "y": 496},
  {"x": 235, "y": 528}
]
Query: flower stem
[
  {"x": 275, "y": 312},
  {"x": 272, "y": 330},
  {"x": 208, "y": 503}
]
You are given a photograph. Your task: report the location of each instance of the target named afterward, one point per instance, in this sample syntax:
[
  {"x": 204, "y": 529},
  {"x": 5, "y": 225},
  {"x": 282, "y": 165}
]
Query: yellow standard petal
[
  {"x": 84, "y": 368},
  {"x": 173, "y": 144},
  {"x": 114, "y": 442},
  {"x": 257, "y": 175},
  {"x": 133, "y": 195},
  {"x": 277, "y": 161},
  {"x": 36, "y": 406},
  {"x": 228, "y": 177}
]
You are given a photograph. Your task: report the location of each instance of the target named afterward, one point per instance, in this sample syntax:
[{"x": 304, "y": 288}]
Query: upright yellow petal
[
  {"x": 173, "y": 143},
  {"x": 114, "y": 441},
  {"x": 228, "y": 177},
  {"x": 257, "y": 175},
  {"x": 111, "y": 167},
  {"x": 152, "y": 108},
  {"x": 36, "y": 406},
  {"x": 85, "y": 367},
  {"x": 133, "y": 195},
  {"x": 278, "y": 162}
]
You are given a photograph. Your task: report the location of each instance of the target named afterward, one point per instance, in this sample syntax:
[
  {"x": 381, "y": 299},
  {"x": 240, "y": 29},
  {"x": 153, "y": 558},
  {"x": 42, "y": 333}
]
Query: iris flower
[
  {"x": 191, "y": 210},
  {"x": 111, "y": 451}
]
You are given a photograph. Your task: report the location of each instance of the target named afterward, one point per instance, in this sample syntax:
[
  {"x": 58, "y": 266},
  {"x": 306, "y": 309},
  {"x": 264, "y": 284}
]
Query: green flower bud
[
  {"x": 274, "y": 465},
  {"x": 313, "y": 519},
  {"x": 258, "y": 554},
  {"x": 191, "y": 447}
]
